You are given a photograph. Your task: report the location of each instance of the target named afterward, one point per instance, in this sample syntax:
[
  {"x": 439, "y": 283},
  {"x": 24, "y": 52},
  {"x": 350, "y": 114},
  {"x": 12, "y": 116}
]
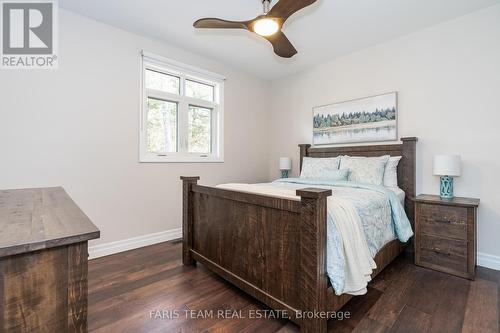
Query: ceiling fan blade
[
  {"x": 215, "y": 23},
  {"x": 286, "y": 8},
  {"x": 282, "y": 46}
]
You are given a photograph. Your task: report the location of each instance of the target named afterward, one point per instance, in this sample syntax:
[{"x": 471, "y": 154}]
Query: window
[{"x": 182, "y": 113}]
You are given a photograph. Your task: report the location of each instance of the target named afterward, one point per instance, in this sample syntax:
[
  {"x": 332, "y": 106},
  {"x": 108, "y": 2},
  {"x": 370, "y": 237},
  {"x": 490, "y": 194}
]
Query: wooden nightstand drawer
[
  {"x": 444, "y": 262},
  {"x": 444, "y": 254},
  {"x": 445, "y": 221},
  {"x": 445, "y": 234},
  {"x": 449, "y": 247}
]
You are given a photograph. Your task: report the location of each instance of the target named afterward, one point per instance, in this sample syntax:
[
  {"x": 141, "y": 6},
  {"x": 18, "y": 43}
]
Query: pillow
[
  {"x": 340, "y": 174},
  {"x": 320, "y": 168},
  {"x": 368, "y": 170},
  {"x": 391, "y": 171}
]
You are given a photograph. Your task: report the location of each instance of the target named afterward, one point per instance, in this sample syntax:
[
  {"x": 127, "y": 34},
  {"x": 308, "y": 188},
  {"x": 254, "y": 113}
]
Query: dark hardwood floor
[{"x": 144, "y": 290}]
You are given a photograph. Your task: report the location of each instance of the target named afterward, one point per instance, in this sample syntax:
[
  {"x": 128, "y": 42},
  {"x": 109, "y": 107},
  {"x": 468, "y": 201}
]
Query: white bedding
[
  {"x": 273, "y": 191},
  {"x": 398, "y": 192}
]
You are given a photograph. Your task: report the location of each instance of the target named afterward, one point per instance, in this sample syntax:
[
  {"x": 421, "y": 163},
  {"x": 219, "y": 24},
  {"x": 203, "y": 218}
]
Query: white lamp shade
[
  {"x": 447, "y": 165},
  {"x": 285, "y": 163}
]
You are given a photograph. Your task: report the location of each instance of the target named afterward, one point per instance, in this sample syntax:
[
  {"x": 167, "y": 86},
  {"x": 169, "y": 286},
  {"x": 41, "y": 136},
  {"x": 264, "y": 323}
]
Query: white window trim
[{"x": 172, "y": 67}]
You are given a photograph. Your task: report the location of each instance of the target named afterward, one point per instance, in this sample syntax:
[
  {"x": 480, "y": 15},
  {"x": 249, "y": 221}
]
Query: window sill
[{"x": 180, "y": 159}]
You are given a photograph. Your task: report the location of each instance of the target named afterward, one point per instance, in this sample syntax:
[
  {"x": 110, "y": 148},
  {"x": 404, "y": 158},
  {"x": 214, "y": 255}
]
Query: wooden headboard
[{"x": 406, "y": 167}]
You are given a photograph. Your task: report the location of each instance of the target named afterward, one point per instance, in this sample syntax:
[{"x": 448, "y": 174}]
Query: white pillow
[
  {"x": 367, "y": 170},
  {"x": 319, "y": 168},
  {"x": 391, "y": 171}
]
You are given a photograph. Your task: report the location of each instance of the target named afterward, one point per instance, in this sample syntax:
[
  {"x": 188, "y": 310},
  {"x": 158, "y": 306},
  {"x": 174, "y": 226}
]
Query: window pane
[
  {"x": 162, "y": 82},
  {"x": 200, "y": 131},
  {"x": 199, "y": 90},
  {"x": 162, "y": 126}
]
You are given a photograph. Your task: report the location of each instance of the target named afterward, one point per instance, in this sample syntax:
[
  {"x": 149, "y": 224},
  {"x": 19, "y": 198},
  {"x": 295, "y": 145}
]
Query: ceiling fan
[{"x": 267, "y": 25}]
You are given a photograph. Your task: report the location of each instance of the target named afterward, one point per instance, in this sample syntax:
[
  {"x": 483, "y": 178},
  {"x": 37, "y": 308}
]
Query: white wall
[
  {"x": 448, "y": 79},
  {"x": 78, "y": 127}
]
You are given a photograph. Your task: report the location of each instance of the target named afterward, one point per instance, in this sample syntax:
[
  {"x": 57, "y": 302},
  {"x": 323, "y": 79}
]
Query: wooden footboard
[{"x": 274, "y": 249}]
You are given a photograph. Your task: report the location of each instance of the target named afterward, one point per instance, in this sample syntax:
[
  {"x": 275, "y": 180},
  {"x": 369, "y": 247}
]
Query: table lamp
[
  {"x": 285, "y": 166},
  {"x": 447, "y": 167}
]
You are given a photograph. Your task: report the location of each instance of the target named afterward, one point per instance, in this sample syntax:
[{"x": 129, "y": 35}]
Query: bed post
[
  {"x": 187, "y": 219},
  {"x": 313, "y": 280},
  {"x": 408, "y": 183},
  {"x": 303, "y": 153}
]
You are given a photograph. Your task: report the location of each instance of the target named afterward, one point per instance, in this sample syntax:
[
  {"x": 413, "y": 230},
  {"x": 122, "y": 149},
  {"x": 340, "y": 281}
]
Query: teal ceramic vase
[{"x": 446, "y": 187}]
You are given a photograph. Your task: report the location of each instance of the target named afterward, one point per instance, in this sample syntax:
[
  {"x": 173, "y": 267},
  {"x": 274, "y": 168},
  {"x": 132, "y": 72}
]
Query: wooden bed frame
[{"x": 275, "y": 249}]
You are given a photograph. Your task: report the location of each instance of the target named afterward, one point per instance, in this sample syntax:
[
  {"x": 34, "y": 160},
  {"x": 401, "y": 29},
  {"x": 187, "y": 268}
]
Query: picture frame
[{"x": 367, "y": 119}]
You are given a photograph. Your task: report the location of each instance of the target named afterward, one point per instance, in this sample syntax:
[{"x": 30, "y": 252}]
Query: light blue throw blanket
[{"x": 382, "y": 215}]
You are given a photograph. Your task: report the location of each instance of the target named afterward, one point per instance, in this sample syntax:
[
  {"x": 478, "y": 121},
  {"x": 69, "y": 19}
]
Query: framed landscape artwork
[{"x": 361, "y": 120}]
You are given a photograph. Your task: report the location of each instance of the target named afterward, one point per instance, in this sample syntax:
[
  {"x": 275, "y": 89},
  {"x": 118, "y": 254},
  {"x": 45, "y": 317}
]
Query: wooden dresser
[
  {"x": 445, "y": 234},
  {"x": 43, "y": 261}
]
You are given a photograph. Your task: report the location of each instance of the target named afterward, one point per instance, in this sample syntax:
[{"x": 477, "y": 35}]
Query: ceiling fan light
[{"x": 266, "y": 27}]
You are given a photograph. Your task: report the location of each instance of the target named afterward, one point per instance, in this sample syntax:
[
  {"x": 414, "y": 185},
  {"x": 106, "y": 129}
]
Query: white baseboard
[
  {"x": 106, "y": 249},
  {"x": 101, "y": 250},
  {"x": 488, "y": 261}
]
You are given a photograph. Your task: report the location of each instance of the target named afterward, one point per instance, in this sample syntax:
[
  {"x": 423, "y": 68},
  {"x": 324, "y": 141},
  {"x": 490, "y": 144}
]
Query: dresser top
[
  {"x": 41, "y": 218},
  {"x": 456, "y": 201}
]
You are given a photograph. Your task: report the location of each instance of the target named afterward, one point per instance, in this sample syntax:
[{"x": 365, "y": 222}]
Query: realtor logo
[{"x": 28, "y": 34}]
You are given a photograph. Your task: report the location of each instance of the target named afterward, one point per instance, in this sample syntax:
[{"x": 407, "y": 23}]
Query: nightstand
[{"x": 445, "y": 234}]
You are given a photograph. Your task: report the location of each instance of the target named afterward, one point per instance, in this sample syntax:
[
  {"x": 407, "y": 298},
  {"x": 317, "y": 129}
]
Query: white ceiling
[{"x": 325, "y": 30}]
